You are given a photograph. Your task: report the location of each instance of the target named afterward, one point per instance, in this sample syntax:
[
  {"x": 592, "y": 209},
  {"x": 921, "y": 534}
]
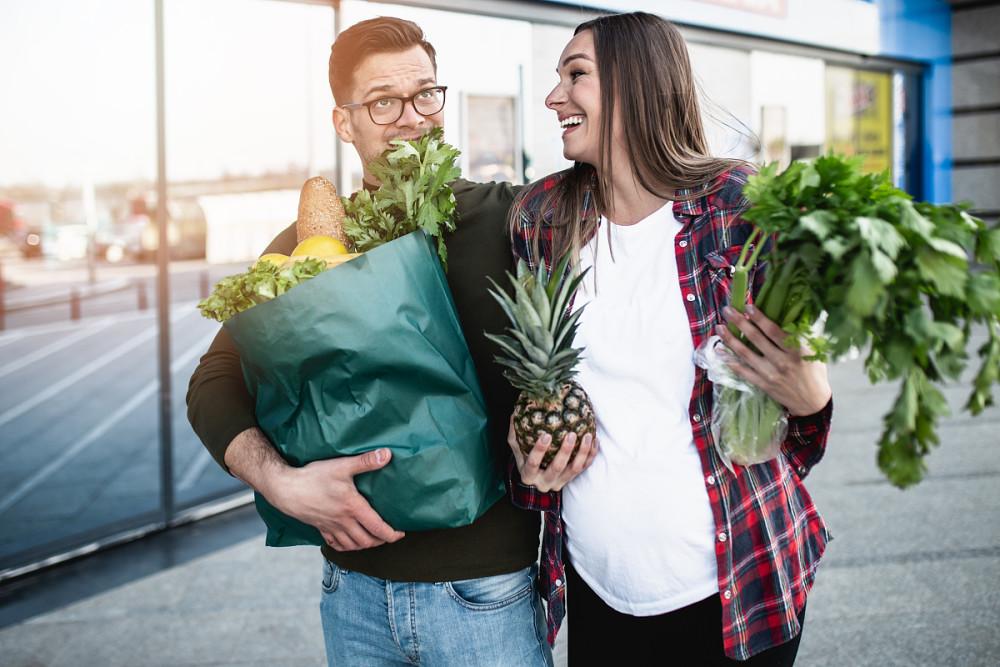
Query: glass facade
[
  {"x": 247, "y": 109},
  {"x": 247, "y": 120}
]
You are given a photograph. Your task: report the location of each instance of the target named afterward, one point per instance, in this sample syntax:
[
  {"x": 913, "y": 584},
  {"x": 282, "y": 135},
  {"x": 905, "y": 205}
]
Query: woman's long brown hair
[{"x": 645, "y": 75}]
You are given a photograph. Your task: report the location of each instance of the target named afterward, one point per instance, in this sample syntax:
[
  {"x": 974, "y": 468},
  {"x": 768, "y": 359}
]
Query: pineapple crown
[{"x": 538, "y": 355}]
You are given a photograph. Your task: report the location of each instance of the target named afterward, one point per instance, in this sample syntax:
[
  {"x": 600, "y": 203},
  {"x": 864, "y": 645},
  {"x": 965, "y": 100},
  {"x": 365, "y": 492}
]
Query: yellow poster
[{"x": 859, "y": 115}]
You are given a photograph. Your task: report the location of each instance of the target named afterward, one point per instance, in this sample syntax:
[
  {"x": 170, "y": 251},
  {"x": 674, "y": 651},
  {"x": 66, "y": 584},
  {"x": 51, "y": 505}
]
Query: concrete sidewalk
[{"x": 912, "y": 578}]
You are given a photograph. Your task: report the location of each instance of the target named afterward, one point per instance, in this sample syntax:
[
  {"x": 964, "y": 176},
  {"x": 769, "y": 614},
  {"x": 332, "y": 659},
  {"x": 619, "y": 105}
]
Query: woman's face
[{"x": 576, "y": 99}]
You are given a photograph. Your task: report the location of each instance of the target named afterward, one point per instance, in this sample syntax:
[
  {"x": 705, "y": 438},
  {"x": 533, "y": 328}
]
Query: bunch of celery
[
  {"x": 414, "y": 193},
  {"x": 891, "y": 276}
]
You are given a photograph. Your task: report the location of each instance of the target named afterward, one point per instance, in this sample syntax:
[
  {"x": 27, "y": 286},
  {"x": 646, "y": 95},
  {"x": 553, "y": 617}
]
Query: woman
[{"x": 674, "y": 557}]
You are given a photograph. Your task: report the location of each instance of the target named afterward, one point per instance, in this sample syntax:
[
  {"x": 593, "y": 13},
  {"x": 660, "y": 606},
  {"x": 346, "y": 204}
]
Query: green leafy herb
[
  {"x": 261, "y": 282},
  {"x": 414, "y": 194},
  {"x": 892, "y": 276}
]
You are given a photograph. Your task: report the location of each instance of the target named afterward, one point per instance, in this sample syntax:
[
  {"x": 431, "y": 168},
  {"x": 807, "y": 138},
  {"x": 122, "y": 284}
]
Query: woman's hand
[
  {"x": 780, "y": 371},
  {"x": 560, "y": 470}
]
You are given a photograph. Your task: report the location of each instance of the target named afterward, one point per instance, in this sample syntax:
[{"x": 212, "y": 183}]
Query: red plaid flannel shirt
[{"x": 769, "y": 536}]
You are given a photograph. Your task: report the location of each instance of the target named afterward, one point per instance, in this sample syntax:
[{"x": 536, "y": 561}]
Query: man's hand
[
  {"x": 780, "y": 371},
  {"x": 321, "y": 494},
  {"x": 560, "y": 470}
]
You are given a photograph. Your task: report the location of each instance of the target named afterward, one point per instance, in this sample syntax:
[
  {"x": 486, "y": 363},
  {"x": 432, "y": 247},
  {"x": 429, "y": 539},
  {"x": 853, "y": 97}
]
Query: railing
[{"x": 74, "y": 297}]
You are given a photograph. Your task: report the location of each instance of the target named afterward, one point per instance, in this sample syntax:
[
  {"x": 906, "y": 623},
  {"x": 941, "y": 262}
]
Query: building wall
[
  {"x": 976, "y": 105},
  {"x": 921, "y": 30}
]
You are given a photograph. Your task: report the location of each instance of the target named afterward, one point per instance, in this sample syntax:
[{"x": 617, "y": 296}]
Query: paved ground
[
  {"x": 79, "y": 404},
  {"x": 78, "y": 413},
  {"x": 910, "y": 579}
]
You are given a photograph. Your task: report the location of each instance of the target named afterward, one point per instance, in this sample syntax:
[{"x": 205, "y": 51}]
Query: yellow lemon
[
  {"x": 319, "y": 246},
  {"x": 275, "y": 258},
  {"x": 339, "y": 259}
]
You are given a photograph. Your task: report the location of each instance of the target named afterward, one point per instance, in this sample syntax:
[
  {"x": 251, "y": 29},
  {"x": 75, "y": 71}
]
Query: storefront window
[{"x": 859, "y": 111}]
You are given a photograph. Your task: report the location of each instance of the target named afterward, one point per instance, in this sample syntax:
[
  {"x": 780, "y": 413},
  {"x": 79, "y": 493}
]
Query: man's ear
[{"x": 342, "y": 125}]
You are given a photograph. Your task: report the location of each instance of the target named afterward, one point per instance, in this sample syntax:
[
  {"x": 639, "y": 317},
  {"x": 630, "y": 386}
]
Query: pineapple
[{"x": 540, "y": 359}]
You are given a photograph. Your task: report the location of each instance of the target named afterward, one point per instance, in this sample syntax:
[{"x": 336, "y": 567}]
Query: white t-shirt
[{"x": 639, "y": 526}]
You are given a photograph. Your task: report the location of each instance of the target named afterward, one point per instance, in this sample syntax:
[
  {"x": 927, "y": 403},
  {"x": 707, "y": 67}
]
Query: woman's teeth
[{"x": 572, "y": 120}]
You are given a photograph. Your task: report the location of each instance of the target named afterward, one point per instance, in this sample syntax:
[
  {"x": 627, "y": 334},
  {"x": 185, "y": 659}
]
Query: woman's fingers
[
  {"x": 515, "y": 446},
  {"x": 744, "y": 355},
  {"x": 563, "y": 467},
  {"x": 534, "y": 461},
  {"x": 746, "y": 372},
  {"x": 558, "y": 464},
  {"x": 753, "y": 333},
  {"x": 584, "y": 455},
  {"x": 770, "y": 328}
]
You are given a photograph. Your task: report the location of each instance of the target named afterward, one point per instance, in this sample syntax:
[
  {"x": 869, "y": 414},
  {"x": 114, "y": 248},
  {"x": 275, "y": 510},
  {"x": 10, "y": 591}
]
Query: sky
[{"x": 245, "y": 83}]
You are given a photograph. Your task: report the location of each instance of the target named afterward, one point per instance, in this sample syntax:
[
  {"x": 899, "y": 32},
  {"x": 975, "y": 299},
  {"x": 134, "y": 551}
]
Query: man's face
[{"x": 396, "y": 74}]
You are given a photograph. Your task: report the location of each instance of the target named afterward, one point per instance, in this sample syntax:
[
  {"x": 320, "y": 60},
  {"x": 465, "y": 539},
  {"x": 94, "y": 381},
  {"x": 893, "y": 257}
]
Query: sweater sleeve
[{"x": 219, "y": 406}]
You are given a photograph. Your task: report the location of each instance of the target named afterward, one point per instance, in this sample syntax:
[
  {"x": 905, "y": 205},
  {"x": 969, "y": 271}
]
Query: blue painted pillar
[{"x": 921, "y": 30}]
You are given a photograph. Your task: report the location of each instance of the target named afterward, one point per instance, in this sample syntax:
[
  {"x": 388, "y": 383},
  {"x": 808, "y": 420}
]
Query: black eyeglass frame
[{"x": 402, "y": 107}]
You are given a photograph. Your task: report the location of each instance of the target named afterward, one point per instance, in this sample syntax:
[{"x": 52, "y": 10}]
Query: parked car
[{"x": 27, "y": 238}]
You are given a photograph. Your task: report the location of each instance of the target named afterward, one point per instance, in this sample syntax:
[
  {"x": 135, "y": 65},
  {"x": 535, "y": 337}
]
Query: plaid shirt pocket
[{"x": 722, "y": 265}]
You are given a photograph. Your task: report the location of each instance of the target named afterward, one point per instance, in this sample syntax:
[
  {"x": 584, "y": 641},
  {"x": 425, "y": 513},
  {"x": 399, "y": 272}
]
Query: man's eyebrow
[
  {"x": 386, "y": 87},
  {"x": 574, "y": 56}
]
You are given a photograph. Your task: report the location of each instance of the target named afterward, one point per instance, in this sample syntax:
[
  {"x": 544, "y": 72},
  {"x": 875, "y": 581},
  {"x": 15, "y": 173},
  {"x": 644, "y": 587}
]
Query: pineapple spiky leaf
[{"x": 538, "y": 356}]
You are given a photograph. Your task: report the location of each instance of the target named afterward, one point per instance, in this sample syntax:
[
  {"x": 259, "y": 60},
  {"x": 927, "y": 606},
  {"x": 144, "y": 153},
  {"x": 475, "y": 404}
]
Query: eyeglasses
[{"x": 387, "y": 110}]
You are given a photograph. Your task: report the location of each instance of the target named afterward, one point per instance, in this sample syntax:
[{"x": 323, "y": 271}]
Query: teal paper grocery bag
[{"x": 370, "y": 354}]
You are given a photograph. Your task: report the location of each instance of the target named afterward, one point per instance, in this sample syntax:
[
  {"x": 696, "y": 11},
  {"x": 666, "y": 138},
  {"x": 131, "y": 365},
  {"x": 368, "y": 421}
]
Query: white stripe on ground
[
  {"x": 59, "y": 327},
  {"x": 52, "y": 348},
  {"x": 103, "y": 427},
  {"x": 191, "y": 475},
  {"x": 56, "y": 388},
  {"x": 10, "y": 337}
]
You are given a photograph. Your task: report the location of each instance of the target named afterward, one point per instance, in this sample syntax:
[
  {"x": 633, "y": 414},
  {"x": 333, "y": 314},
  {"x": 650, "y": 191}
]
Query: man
[{"x": 439, "y": 597}]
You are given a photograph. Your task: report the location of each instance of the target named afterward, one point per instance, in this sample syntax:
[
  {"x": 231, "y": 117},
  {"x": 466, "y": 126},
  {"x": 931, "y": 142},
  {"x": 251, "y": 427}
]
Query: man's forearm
[{"x": 253, "y": 459}]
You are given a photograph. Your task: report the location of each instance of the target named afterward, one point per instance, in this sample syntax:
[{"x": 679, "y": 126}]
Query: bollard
[
  {"x": 203, "y": 285},
  {"x": 74, "y": 304},
  {"x": 140, "y": 286}
]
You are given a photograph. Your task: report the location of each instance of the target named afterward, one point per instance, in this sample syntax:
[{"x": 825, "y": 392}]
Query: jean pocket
[
  {"x": 496, "y": 592},
  {"x": 331, "y": 576}
]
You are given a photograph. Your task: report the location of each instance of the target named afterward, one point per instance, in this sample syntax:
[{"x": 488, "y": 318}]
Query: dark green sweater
[{"x": 502, "y": 540}]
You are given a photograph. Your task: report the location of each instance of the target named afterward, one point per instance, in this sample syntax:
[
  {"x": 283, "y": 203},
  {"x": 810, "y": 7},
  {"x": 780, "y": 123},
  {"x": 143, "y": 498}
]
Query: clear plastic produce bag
[{"x": 748, "y": 426}]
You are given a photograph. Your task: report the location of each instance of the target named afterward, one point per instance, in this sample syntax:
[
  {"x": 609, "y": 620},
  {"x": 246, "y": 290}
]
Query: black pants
[{"x": 691, "y": 636}]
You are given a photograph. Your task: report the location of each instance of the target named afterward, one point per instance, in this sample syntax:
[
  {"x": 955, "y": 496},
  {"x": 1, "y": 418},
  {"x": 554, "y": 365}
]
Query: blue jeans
[{"x": 492, "y": 621}]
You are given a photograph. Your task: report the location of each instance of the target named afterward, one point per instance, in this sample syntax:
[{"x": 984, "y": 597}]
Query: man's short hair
[{"x": 385, "y": 34}]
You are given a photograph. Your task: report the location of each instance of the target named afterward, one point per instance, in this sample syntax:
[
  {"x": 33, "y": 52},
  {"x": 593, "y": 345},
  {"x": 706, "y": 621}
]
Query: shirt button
[
  {"x": 683, "y": 244},
  {"x": 697, "y": 417},
  {"x": 728, "y": 594},
  {"x": 710, "y": 479},
  {"x": 690, "y": 297},
  {"x": 722, "y": 537},
  {"x": 558, "y": 583},
  {"x": 802, "y": 470}
]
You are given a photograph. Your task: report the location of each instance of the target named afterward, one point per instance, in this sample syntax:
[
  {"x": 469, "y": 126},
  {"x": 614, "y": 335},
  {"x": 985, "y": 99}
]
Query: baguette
[{"x": 320, "y": 211}]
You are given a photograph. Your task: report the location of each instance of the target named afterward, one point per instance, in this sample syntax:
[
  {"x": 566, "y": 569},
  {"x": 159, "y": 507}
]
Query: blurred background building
[
  {"x": 97, "y": 341},
  {"x": 975, "y": 43}
]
